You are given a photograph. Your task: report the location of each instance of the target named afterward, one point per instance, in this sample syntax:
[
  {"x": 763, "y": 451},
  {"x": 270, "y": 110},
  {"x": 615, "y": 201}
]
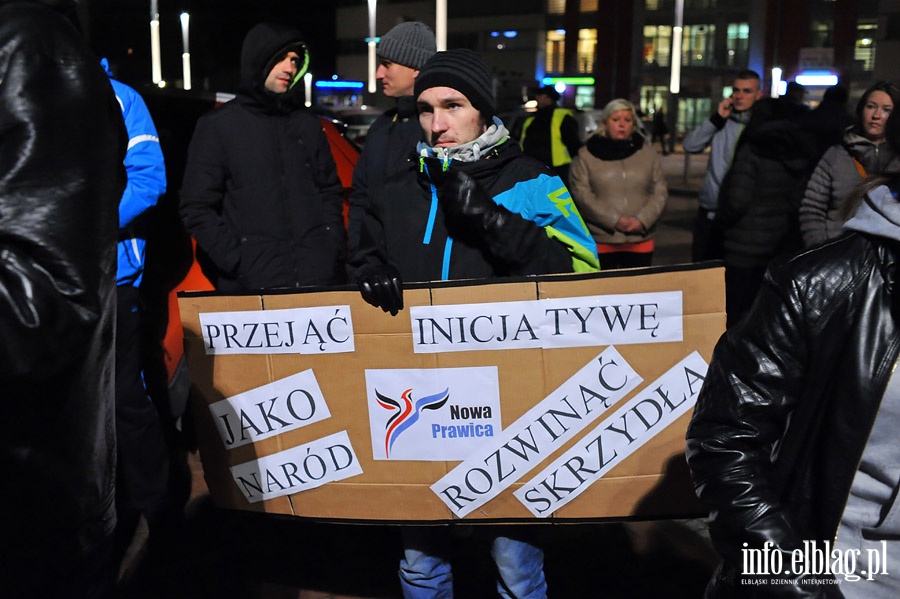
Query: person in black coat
[
  {"x": 261, "y": 194},
  {"x": 62, "y": 146},
  {"x": 760, "y": 200}
]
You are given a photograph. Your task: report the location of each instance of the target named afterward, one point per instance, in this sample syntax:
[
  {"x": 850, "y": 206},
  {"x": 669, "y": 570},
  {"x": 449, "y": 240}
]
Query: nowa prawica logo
[{"x": 406, "y": 412}]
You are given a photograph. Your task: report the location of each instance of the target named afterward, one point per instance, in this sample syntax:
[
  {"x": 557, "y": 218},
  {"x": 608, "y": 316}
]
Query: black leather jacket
[
  {"x": 62, "y": 143},
  {"x": 788, "y": 404}
]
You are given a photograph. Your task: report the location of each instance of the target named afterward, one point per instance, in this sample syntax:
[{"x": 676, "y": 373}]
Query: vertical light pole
[
  {"x": 186, "y": 54},
  {"x": 675, "y": 77},
  {"x": 307, "y": 88},
  {"x": 440, "y": 25},
  {"x": 776, "y": 82},
  {"x": 155, "y": 62},
  {"x": 372, "y": 38}
]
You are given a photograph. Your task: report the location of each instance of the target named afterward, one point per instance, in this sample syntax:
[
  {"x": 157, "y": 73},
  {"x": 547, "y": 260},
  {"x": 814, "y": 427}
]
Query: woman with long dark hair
[{"x": 843, "y": 167}]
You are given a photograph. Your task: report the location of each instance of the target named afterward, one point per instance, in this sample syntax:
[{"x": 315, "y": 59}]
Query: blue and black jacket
[{"x": 405, "y": 226}]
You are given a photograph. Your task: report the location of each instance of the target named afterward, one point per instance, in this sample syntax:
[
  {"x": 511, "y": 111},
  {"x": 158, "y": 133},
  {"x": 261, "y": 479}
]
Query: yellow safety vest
[{"x": 559, "y": 153}]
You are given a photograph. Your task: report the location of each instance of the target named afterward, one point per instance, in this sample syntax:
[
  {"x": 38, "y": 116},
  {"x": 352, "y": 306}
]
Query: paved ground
[{"x": 222, "y": 554}]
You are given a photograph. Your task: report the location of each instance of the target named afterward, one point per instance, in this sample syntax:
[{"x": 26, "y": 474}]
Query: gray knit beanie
[
  {"x": 409, "y": 44},
  {"x": 464, "y": 71}
]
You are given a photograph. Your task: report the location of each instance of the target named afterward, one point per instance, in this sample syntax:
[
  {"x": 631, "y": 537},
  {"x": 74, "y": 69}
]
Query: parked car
[{"x": 355, "y": 122}]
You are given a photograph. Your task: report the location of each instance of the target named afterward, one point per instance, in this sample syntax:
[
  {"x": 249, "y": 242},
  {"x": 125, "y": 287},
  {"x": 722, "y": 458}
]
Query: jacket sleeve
[
  {"x": 143, "y": 162},
  {"x": 202, "y": 195},
  {"x": 61, "y": 177},
  {"x": 697, "y": 140},
  {"x": 329, "y": 184},
  {"x": 753, "y": 384},
  {"x": 816, "y": 201},
  {"x": 560, "y": 242}
]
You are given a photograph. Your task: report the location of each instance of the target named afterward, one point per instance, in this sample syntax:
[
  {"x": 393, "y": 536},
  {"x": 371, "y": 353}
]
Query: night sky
[{"x": 120, "y": 30}]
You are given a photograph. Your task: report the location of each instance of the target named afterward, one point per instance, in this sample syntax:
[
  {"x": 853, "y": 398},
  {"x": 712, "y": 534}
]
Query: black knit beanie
[
  {"x": 464, "y": 71},
  {"x": 409, "y": 44}
]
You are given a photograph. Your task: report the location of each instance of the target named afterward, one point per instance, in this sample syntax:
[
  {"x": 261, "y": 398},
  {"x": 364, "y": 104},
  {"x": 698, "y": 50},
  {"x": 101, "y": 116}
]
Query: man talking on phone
[{"x": 720, "y": 132}]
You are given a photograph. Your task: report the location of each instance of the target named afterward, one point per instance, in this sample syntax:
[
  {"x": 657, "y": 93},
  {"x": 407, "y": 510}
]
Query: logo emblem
[{"x": 406, "y": 412}]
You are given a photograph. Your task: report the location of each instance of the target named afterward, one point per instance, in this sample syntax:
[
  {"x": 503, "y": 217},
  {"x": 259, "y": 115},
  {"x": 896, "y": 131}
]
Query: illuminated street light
[
  {"x": 155, "y": 62},
  {"x": 372, "y": 41},
  {"x": 675, "y": 77},
  {"x": 186, "y": 54},
  {"x": 440, "y": 25},
  {"x": 776, "y": 82}
]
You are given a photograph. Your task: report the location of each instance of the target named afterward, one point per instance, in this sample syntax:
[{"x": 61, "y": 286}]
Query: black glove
[
  {"x": 466, "y": 202},
  {"x": 381, "y": 286}
]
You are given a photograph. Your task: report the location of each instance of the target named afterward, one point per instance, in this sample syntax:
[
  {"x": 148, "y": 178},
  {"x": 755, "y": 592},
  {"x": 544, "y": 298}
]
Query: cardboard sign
[{"x": 551, "y": 398}]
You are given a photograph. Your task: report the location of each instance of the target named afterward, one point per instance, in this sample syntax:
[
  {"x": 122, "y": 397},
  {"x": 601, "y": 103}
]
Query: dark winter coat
[
  {"x": 760, "y": 197},
  {"x": 788, "y": 403},
  {"x": 390, "y": 147},
  {"x": 261, "y": 194},
  {"x": 62, "y": 146}
]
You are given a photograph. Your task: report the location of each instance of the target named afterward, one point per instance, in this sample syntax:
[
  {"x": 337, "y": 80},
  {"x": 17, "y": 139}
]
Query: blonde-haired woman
[{"x": 618, "y": 185}]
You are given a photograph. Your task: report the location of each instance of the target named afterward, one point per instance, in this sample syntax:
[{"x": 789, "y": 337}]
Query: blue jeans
[{"x": 425, "y": 571}]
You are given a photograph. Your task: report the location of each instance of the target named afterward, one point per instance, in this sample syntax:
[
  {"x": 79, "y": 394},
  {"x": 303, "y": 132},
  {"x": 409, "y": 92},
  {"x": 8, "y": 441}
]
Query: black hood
[{"x": 264, "y": 46}]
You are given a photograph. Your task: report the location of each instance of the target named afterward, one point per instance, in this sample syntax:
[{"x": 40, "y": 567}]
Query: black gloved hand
[
  {"x": 381, "y": 286},
  {"x": 464, "y": 201}
]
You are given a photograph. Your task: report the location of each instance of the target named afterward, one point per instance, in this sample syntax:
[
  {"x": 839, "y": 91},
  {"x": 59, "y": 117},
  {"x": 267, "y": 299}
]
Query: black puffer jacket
[
  {"x": 62, "y": 143},
  {"x": 759, "y": 200},
  {"x": 789, "y": 401},
  {"x": 261, "y": 194}
]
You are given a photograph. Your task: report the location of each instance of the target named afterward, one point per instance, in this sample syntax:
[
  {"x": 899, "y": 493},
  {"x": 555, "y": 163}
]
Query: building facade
[{"x": 597, "y": 50}]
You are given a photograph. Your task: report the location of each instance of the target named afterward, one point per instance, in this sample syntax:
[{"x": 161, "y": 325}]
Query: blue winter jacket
[{"x": 146, "y": 181}]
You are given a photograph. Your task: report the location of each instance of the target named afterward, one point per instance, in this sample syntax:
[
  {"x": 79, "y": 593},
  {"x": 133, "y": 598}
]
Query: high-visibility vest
[{"x": 559, "y": 153}]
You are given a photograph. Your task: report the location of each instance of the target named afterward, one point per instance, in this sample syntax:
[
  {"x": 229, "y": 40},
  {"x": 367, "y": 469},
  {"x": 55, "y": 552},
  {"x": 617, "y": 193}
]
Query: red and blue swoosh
[{"x": 406, "y": 412}]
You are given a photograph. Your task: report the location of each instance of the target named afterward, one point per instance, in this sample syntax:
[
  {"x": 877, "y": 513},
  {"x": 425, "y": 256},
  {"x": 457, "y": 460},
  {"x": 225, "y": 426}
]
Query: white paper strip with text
[
  {"x": 321, "y": 330},
  {"x": 632, "y": 425},
  {"x": 297, "y": 469},
  {"x": 551, "y": 323},
  {"x": 538, "y": 433},
  {"x": 269, "y": 410}
]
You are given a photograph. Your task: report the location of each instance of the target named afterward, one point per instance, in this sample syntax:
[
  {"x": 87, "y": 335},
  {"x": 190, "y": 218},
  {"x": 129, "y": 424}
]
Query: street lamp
[
  {"x": 675, "y": 77},
  {"x": 372, "y": 41},
  {"x": 440, "y": 25},
  {"x": 155, "y": 63},
  {"x": 186, "y": 54}
]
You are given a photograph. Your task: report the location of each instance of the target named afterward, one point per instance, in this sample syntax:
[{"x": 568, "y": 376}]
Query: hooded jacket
[
  {"x": 261, "y": 194},
  {"x": 404, "y": 225},
  {"x": 62, "y": 146},
  {"x": 791, "y": 396},
  {"x": 836, "y": 178}
]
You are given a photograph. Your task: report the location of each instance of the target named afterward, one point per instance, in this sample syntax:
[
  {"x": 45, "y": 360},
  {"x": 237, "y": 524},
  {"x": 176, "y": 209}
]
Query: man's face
[
  {"x": 448, "y": 118},
  {"x": 543, "y": 100},
  {"x": 744, "y": 92},
  {"x": 281, "y": 75},
  {"x": 396, "y": 80}
]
